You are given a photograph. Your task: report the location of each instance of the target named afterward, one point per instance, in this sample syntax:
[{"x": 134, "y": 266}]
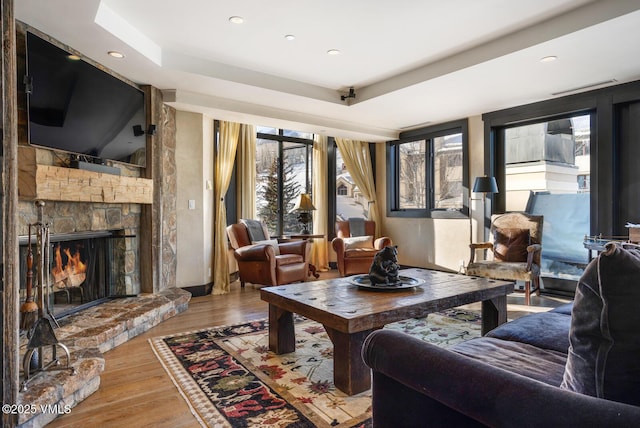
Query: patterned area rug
[{"x": 229, "y": 377}]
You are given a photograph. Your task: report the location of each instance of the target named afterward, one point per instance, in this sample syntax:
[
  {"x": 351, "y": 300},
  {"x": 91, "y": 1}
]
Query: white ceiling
[{"x": 411, "y": 62}]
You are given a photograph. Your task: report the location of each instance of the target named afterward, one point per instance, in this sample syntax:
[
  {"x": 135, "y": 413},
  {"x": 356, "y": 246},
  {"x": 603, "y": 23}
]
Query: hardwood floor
[{"x": 135, "y": 390}]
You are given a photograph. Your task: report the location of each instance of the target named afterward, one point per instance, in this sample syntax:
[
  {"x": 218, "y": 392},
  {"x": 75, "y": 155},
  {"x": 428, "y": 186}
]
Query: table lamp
[{"x": 303, "y": 207}]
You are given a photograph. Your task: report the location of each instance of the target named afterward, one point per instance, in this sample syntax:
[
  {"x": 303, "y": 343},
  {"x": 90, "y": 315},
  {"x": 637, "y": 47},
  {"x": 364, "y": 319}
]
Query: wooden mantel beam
[{"x": 53, "y": 183}]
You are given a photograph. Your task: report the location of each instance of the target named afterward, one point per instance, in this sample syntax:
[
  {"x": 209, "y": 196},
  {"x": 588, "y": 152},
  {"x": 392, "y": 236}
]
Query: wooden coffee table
[{"x": 350, "y": 313}]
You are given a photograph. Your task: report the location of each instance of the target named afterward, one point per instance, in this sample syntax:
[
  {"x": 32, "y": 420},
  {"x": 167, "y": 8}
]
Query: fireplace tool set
[{"x": 37, "y": 318}]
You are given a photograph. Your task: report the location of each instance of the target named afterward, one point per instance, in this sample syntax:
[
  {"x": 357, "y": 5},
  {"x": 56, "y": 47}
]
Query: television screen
[{"x": 78, "y": 108}]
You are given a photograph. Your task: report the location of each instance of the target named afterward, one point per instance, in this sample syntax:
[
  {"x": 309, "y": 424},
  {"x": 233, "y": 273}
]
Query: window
[
  {"x": 547, "y": 171},
  {"x": 413, "y": 178},
  {"x": 283, "y": 171},
  {"x": 426, "y": 172},
  {"x": 349, "y": 200}
]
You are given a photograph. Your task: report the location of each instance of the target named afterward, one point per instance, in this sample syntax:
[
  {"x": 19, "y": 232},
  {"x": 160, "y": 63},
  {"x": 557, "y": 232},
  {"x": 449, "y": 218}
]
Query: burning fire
[{"x": 72, "y": 274}]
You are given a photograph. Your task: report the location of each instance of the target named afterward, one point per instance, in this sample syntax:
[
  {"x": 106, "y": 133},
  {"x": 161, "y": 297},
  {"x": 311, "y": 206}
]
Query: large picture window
[
  {"x": 426, "y": 172},
  {"x": 283, "y": 172},
  {"x": 547, "y": 171}
]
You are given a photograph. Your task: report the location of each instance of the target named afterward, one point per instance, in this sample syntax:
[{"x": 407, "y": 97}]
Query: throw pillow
[
  {"x": 604, "y": 341},
  {"x": 358, "y": 242},
  {"x": 272, "y": 242},
  {"x": 254, "y": 229},
  {"x": 510, "y": 245}
]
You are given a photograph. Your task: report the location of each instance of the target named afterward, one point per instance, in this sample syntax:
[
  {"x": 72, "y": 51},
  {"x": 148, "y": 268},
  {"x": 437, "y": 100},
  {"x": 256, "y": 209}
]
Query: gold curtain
[
  {"x": 320, "y": 247},
  {"x": 357, "y": 158},
  {"x": 225, "y": 157},
  {"x": 247, "y": 170}
]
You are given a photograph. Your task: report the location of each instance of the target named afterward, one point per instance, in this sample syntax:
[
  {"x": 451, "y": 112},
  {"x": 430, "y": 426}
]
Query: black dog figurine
[{"x": 384, "y": 269}]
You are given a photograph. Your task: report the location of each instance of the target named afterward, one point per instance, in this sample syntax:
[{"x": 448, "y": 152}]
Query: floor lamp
[{"x": 482, "y": 185}]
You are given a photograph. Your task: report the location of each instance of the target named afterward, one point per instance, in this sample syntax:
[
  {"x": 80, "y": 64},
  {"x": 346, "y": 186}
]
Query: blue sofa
[{"x": 512, "y": 377}]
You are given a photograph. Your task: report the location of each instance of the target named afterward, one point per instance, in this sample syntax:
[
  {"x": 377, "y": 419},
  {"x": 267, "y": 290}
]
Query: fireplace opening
[{"x": 85, "y": 269}]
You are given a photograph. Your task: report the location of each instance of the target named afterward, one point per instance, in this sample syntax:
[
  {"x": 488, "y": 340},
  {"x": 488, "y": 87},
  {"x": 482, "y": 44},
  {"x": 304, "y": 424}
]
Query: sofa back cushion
[{"x": 604, "y": 337}]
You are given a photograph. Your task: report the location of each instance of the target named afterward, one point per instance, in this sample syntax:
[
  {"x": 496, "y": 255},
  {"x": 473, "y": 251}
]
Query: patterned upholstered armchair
[{"x": 514, "y": 253}]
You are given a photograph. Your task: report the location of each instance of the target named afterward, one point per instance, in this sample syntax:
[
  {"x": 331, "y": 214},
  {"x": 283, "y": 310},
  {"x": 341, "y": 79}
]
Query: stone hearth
[{"x": 88, "y": 334}]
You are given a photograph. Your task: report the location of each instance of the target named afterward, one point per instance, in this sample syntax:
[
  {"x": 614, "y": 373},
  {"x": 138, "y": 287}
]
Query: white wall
[
  {"x": 194, "y": 159},
  {"x": 434, "y": 243}
]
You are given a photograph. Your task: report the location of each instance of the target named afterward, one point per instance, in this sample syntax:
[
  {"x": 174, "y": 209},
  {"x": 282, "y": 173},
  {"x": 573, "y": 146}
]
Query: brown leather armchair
[
  {"x": 268, "y": 262},
  {"x": 355, "y": 254}
]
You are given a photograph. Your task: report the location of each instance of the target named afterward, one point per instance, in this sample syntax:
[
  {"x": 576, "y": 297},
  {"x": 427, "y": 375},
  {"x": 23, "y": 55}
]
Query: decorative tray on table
[{"x": 404, "y": 282}]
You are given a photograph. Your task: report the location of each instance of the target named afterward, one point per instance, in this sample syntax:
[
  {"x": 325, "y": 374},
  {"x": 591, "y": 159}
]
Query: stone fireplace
[
  {"x": 85, "y": 268},
  {"x": 103, "y": 238}
]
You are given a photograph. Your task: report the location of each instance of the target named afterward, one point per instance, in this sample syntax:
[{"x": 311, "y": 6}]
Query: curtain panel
[
  {"x": 225, "y": 158},
  {"x": 320, "y": 247},
  {"x": 246, "y": 170}
]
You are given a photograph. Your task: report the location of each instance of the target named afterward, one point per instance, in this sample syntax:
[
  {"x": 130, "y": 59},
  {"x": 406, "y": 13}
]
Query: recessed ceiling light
[
  {"x": 73, "y": 57},
  {"x": 333, "y": 52},
  {"x": 290, "y": 37},
  {"x": 116, "y": 54},
  {"x": 236, "y": 20},
  {"x": 549, "y": 58}
]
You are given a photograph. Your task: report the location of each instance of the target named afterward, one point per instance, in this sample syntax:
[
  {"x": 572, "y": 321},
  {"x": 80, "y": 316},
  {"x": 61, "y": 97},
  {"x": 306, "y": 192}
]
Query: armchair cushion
[
  {"x": 508, "y": 271},
  {"x": 288, "y": 259},
  {"x": 359, "y": 253},
  {"x": 358, "y": 242},
  {"x": 605, "y": 344},
  {"x": 510, "y": 244},
  {"x": 272, "y": 242},
  {"x": 254, "y": 253}
]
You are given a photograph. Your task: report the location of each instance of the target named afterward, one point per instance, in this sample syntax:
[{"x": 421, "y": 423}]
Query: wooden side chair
[{"x": 514, "y": 252}]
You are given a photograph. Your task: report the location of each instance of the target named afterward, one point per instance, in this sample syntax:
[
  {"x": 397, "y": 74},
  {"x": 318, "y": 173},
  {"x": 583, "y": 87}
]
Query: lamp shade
[
  {"x": 303, "y": 203},
  {"x": 485, "y": 185}
]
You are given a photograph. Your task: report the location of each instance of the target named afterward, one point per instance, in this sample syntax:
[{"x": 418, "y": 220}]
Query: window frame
[
  {"x": 281, "y": 139},
  {"x": 393, "y": 171}
]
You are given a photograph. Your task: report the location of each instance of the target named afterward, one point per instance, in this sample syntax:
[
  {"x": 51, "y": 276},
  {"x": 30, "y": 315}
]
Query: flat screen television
[{"x": 78, "y": 108}]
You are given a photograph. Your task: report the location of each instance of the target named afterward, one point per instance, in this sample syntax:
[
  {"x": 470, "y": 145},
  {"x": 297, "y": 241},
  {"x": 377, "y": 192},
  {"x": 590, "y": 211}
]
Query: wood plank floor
[{"x": 135, "y": 390}]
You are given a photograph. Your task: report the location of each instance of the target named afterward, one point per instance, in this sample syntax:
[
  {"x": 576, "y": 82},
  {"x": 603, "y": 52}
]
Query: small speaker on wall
[
  {"x": 151, "y": 130},
  {"x": 137, "y": 130}
]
